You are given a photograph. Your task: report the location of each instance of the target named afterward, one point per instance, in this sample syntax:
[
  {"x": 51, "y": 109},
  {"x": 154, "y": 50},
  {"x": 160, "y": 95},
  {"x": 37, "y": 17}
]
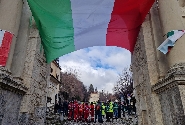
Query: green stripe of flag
[{"x": 55, "y": 24}]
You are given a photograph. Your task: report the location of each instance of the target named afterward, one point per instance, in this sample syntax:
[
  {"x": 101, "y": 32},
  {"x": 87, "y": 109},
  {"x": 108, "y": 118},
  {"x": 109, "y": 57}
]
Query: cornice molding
[
  {"x": 10, "y": 83},
  {"x": 175, "y": 76}
]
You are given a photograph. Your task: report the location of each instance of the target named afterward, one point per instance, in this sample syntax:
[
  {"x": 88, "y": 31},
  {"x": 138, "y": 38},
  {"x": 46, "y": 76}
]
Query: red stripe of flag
[
  {"x": 5, "y": 48},
  {"x": 126, "y": 19}
]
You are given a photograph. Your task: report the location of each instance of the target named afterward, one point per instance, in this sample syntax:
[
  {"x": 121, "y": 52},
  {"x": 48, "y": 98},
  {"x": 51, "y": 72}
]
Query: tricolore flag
[
  {"x": 69, "y": 25},
  {"x": 5, "y": 43},
  {"x": 172, "y": 37}
]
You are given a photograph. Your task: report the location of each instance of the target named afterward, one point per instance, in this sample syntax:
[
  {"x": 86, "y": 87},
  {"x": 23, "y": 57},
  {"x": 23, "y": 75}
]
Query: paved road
[{"x": 124, "y": 121}]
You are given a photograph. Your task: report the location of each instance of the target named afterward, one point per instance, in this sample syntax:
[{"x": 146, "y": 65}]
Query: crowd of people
[{"x": 96, "y": 111}]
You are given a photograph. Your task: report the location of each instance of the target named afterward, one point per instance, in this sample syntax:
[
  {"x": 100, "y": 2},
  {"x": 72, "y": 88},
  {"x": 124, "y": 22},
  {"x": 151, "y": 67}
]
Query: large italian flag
[
  {"x": 5, "y": 43},
  {"x": 69, "y": 25}
]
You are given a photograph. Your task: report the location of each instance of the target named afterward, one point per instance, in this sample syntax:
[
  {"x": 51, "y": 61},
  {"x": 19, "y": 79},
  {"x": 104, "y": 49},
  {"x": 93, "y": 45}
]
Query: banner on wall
[{"x": 5, "y": 43}]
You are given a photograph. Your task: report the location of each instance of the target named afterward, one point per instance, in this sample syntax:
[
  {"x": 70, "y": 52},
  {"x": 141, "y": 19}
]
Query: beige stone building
[
  {"x": 53, "y": 84},
  {"x": 94, "y": 97},
  {"x": 159, "y": 79}
]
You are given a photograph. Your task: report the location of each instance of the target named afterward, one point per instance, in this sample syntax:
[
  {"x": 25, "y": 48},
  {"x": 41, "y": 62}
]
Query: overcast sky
[{"x": 99, "y": 66}]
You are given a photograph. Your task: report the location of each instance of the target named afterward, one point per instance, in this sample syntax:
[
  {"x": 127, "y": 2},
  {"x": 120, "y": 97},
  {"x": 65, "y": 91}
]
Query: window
[
  {"x": 57, "y": 76},
  {"x": 51, "y": 70}
]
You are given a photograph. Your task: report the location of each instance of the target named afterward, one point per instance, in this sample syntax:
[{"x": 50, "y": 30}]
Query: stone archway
[{"x": 159, "y": 78}]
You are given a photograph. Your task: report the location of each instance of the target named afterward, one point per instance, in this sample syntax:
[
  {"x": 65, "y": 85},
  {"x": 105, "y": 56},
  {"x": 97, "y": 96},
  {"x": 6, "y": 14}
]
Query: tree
[
  {"x": 64, "y": 94},
  {"x": 85, "y": 92},
  {"x": 91, "y": 89},
  {"x": 124, "y": 85},
  {"x": 71, "y": 86},
  {"x": 103, "y": 96}
]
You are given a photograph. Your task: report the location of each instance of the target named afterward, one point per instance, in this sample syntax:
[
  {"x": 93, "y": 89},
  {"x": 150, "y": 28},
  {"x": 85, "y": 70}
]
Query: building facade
[
  {"x": 54, "y": 83},
  {"x": 94, "y": 97}
]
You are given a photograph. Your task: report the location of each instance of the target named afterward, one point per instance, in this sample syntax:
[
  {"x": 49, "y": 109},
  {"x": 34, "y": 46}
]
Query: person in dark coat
[
  {"x": 124, "y": 107},
  {"x": 60, "y": 107},
  {"x": 119, "y": 109},
  {"x": 133, "y": 103},
  {"x": 65, "y": 106},
  {"x": 98, "y": 112},
  {"x": 128, "y": 104},
  {"x": 56, "y": 107}
]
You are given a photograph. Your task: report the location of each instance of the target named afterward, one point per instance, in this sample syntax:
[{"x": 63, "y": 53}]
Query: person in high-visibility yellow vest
[
  {"x": 110, "y": 111},
  {"x": 103, "y": 110},
  {"x": 115, "y": 109}
]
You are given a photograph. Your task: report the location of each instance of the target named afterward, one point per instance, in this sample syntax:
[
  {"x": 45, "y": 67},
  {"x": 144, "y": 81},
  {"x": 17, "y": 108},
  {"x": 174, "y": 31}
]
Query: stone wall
[
  {"x": 140, "y": 75},
  {"x": 159, "y": 88},
  {"x": 11, "y": 93},
  {"x": 9, "y": 107},
  {"x": 172, "y": 96},
  {"x": 171, "y": 107},
  {"x": 146, "y": 73},
  {"x": 35, "y": 76},
  {"x": 25, "y": 102}
]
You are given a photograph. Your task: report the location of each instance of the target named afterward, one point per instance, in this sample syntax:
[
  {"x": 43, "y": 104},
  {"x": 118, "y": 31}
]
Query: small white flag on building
[{"x": 172, "y": 37}]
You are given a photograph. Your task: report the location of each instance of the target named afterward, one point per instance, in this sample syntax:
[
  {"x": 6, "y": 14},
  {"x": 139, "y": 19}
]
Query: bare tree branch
[{"x": 124, "y": 84}]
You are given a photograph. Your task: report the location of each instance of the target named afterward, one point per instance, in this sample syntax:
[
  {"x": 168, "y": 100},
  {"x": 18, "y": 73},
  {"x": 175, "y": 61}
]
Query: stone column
[
  {"x": 22, "y": 42},
  {"x": 10, "y": 13},
  {"x": 35, "y": 73},
  {"x": 171, "y": 19},
  {"x": 154, "y": 69},
  {"x": 171, "y": 88},
  {"x": 158, "y": 38},
  {"x": 146, "y": 73}
]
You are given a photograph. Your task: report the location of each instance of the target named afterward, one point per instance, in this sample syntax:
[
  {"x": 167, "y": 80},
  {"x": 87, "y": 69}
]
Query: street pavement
[{"x": 128, "y": 120}]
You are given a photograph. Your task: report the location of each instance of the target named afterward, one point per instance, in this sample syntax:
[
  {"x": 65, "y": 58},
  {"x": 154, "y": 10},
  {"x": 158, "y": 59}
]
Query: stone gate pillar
[
  {"x": 148, "y": 69},
  {"x": 35, "y": 74},
  {"x": 12, "y": 89},
  {"x": 10, "y": 14},
  {"x": 19, "y": 55},
  {"x": 171, "y": 89},
  {"x": 171, "y": 19}
]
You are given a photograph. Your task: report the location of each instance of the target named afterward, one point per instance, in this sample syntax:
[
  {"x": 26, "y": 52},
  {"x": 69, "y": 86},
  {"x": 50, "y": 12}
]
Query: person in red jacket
[
  {"x": 75, "y": 110},
  {"x": 83, "y": 106},
  {"x": 70, "y": 111},
  {"x": 92, "y": 108},
  {"x": 86, "y": 112},
  {"x": 80, "y": 111}
]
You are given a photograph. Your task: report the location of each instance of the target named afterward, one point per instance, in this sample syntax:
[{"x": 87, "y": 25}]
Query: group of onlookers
[{"x": 97, "y": 111}]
